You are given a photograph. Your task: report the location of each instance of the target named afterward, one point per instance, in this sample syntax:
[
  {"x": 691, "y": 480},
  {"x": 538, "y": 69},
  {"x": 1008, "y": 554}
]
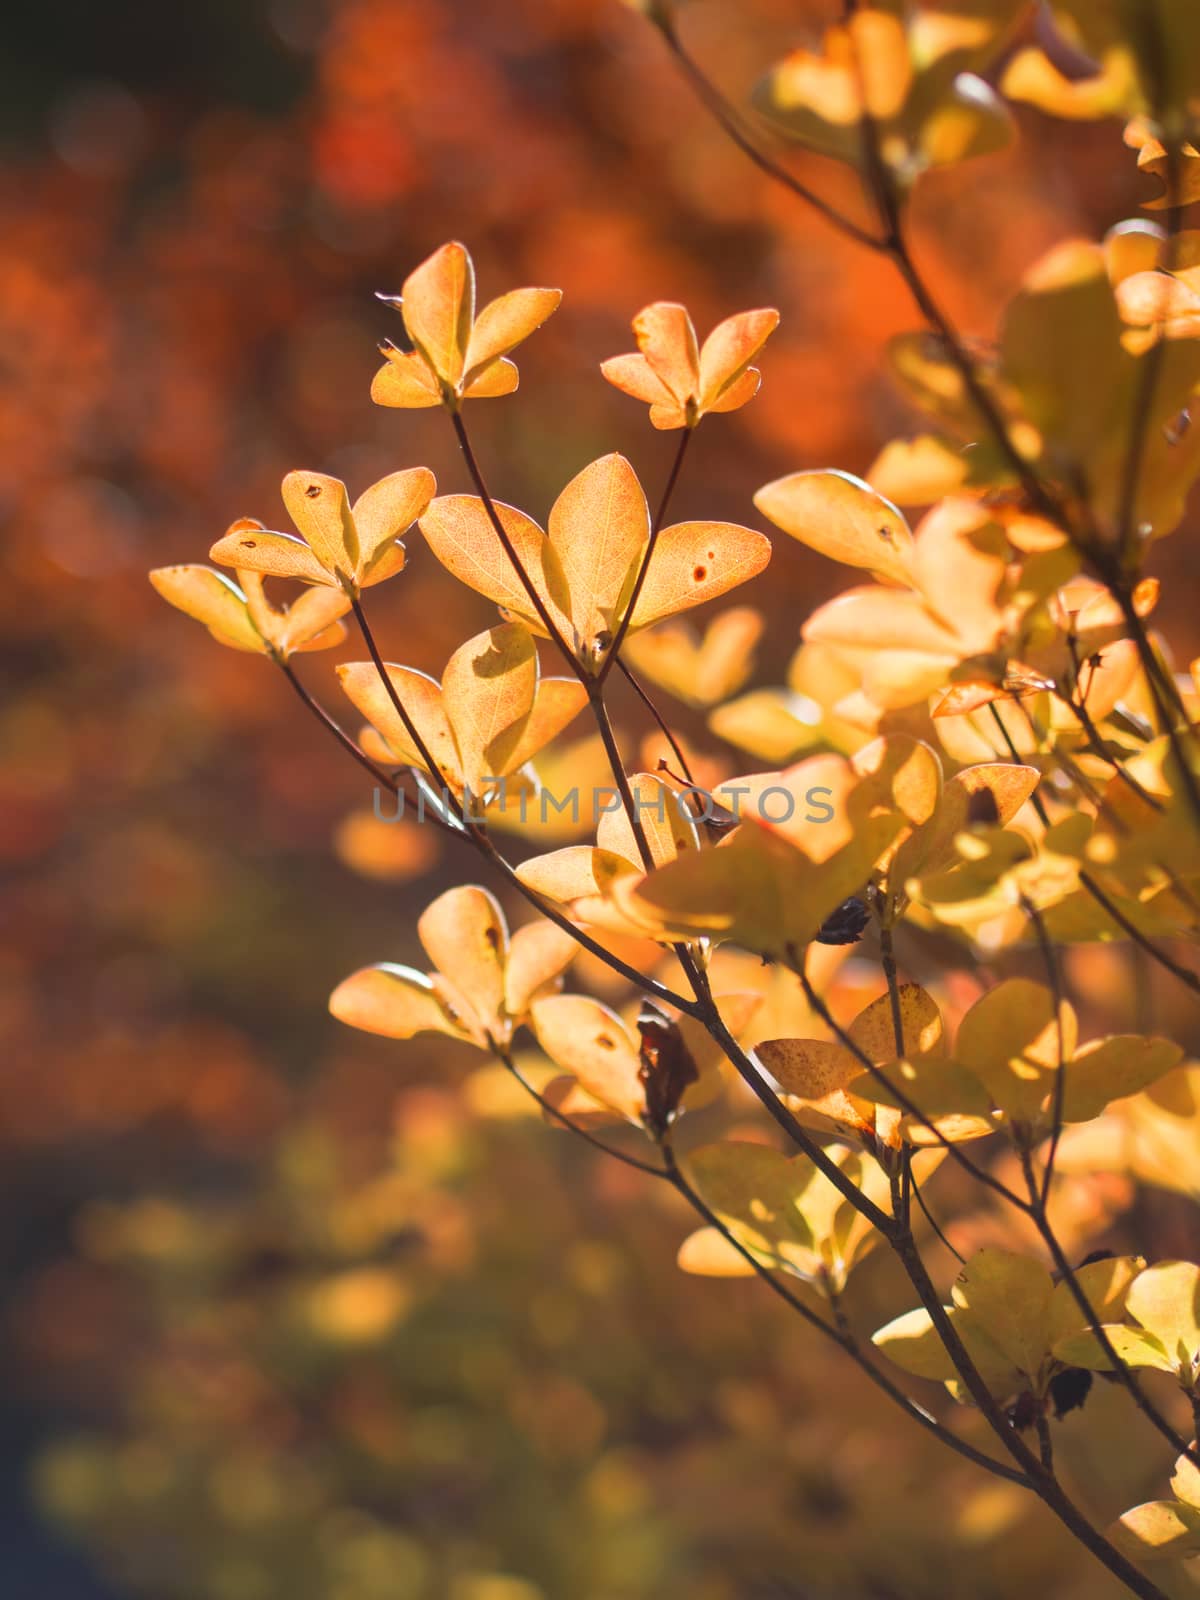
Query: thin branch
[
  {"x": 639, "y": 689},
  {"x": 847, "y": 1040},
  {"x": 398, "y": 706},
  {"x": 1054, "y": 974},
  {"x": 1176, "y": 968},
  {"x": 1067, "y": 1274},
  {"x": 932, "y": 1220},
  {"x": 1090, "y": 886},
  {"x": 561, "y": 1117},
  {"x": 1095, "y": 742},
  {"x": 609, "y": 740},
  {"x": 888, "y": 960},
  {"x": 729, "y": 120},
  {"x": 506, "y": 544},
  {"x": 382, "y": 778},
  {"x": 841, "y": 1336},
  {"x": 656, "y": 526},
  {"x": 1045, "y": 1484}
]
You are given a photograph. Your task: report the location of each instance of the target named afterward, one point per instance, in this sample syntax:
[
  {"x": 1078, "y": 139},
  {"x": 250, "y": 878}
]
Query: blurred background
[{"x": 292, "y": 1311}]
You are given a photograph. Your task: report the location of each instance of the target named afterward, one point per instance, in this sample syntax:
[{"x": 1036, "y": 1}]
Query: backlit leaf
[{"x": 843, "y": 518}]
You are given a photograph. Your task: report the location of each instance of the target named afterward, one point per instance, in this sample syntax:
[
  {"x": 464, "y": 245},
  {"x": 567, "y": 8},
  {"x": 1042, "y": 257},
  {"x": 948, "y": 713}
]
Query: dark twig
[{"x": 656, "y": 527}]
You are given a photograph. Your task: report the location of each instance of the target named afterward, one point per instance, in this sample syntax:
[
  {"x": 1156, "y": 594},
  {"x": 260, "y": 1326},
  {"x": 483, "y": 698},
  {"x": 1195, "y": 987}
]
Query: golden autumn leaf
[
  {"x": 456, "y": 355},
  {"x": 344, "y": 546},
  {"x": 843, "y": 518},
  {"x": 699, "y": 670},
  {"x": 786, "y": 1212},
  {"x": 481, "y": 724},
  {"x": 827, "y": 1084},
  {"x": 1016, "y": 1041},
  {"x": 1137, "y": 70},
  {"x": 810, "y": 838},
  {"x": 582, "y": 876},
  {"x": 916, "y": 82},
  {"x": 1152, "y": 158},
  {"x": 1012, "y": 1318},
  {"x": 243, "y": 617},
  {"x": 484, "y": 984},
  {"x": 585, "y": 567},
  {"x": 1160, "y": 1329},
  {"x": 683, "y": 381}
]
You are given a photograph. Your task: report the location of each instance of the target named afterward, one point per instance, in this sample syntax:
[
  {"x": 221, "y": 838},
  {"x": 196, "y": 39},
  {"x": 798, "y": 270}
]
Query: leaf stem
[
  {"x": 847, "y": 1040},
  {"x": 724, "y": 114},
  {"x": 660, "y": 515},
  {"x": 506, "y": 544},
  {"x": 640, "y": 690},
  {"x": 1068, "y": 1275},
  {"x": 398, "y": 706},
  {"x": 551, "y": 1110},
  {"x": 840, "y": 1334}
]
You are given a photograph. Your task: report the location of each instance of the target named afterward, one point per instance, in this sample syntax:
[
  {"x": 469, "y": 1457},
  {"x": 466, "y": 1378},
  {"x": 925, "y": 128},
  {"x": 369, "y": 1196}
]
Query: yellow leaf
[
  {"x": 488, "y": 690},
  {"x": 707, "y": 1253},
  {"x": 556, "y": 702},
  {"x": 212, "y": 599},
  {"x": 667, "y": 339},
  {"x": 1160, "y": 1530},
  {"x": 1133, "y": 1346},
  {"x": 460, "y": 534},
  {"x": 248, "y": 544},
  {"x": 1010, "y": 1040},
  {"x": 406, "y": 381},
  {"x": 918, "y": 472},
  {"x": 438, "y": 307},
  {"x": 1165, "y": 1299},
  {"x": 874, "y": 1033},
  {"x": 1033, "y": 78},
  {"x": 397, "y": 1002},
  {"x": 591, "y": 1042},
  {"x": 598, "y": 529},
  {"x": 666, "y": 823},
  {"x": 697, "y": 561},
  {"x": 783, "y": 1209},
  {"x": 680, "y": 382},
  {"x": 334, "y": 550},
  {"x": 931, "y": 848},
  {"x": 1110, "y": 1069},
  {"x": 814, "y": 1074},
  {"x": 699, "y": 671},
  {"x": 319, "y": 507},
  {"x": 726, "y": 357},
  {"x": 421, "y": 697},
  {"x": 494, "y": 379},
  {"x": 309, "y": 623},
  {"x": 843, "y": 518},
  {"x": 1007, "y": 1297},
  {"x": 465, "y": 936},
  {"x": 913, "y": 1343},
  {"x": 455, "y": 354},
  {"x": 573, "y": 873},
  {"x": 382, "y": 513},
  {"x": 538, "y": 955},
  {"x": 772, "y": 884},
  {"x": 1105, "y": 1285},
  {"x": 505, "y": 323}
]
